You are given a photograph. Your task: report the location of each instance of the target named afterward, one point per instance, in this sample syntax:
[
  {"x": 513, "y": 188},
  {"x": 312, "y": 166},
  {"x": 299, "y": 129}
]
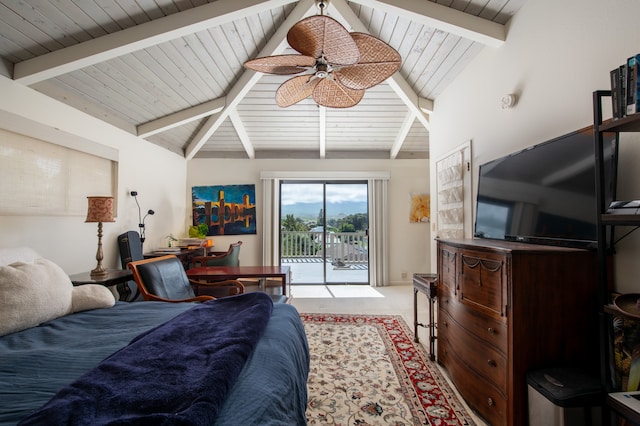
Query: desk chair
[
  {"x": 229, "y": 258},
  {"x": 164, "y": 279},
  {"x": 232, "y": 258},
  {"x": 130, "y": 248}
]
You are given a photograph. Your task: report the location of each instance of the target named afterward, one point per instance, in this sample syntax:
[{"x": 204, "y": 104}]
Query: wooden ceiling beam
[
  {"x": 323, "y": 131},
  {"x": 242, "y": 134},
  {"x": 402, "y": 134},
  {"x": 443, "y": 18},
  {"x": 396, "y": 81},
  {"x": 138, "y": 37},
  {"x": 276, "y": 45},
  {"x": 179, "y": 118}
]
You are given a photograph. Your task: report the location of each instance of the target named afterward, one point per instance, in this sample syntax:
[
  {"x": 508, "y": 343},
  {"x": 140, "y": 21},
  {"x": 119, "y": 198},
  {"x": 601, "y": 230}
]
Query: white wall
[
  {"x": 556, "y": 55},
  {"x": 164, "y": 185},
  {"x": 409, "y": 243},
  {"x": 158, "y": 175}
]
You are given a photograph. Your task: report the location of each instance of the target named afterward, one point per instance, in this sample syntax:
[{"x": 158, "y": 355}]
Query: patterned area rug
[{"x": 366, "y": 370}]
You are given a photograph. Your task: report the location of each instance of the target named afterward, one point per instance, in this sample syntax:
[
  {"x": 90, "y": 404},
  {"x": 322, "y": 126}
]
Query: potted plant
[{"x": 199, "y": 231}]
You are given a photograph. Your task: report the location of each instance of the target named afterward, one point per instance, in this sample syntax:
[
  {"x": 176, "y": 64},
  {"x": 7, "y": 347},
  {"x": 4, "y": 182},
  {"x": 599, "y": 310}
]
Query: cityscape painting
[{"x": 225, "y": 209}]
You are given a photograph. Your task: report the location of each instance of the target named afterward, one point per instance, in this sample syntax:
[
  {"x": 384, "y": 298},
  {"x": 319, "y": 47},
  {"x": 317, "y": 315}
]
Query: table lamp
[{"x": 100, "y": 210}]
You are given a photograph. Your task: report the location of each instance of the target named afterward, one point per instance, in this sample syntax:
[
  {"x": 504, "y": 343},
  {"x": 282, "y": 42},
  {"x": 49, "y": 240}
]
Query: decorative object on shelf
[
  {"x": 170, "y": 240},
  {"x": 342, "y": 64},
  {"x": 629, "y": 304},
  {"x": 100, "y": 210},
  {"x": 141, "y": 219}
]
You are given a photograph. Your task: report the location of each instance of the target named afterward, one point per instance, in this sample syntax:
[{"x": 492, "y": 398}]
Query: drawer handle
[
  {"x": 492, "y": 363},
  {"x": 491, "y": 402},
  {"x": 491, "y": 331}
]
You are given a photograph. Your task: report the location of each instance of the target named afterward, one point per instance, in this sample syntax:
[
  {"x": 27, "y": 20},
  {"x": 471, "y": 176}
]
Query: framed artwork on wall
[
  {"x": 225, "y": 209},
  {"x": 420, "y": 210}
]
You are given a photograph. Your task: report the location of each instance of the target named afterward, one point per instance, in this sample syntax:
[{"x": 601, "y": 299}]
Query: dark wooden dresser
[{"x": 506, "y": 308}]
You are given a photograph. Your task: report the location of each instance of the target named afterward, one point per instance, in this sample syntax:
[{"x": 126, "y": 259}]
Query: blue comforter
[{"x": 187, "y": 392}]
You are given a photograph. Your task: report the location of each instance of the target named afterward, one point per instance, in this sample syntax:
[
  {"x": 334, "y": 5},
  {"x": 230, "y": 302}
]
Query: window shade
[{"x": 41, "y": 178}]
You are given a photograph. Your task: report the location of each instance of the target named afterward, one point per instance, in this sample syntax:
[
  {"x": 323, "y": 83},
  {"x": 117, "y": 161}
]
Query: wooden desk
[
  {"x": 185, "y": 255},
  {"x": 220, "y": 273}
]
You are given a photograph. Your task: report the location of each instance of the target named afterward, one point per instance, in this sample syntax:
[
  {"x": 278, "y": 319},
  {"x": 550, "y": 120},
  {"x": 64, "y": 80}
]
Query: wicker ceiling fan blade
[
  {"x": 295, "y": 89},
  {"x": 281, "y": 64},
  {"x": 331, "y": 94},
  {"x": 320, "y": 35},
  {"x": 378, "y": 61}
]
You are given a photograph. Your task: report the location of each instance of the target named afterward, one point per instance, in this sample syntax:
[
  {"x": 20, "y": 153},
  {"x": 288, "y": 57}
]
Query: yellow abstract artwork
[{"x": 420, "y": 208}]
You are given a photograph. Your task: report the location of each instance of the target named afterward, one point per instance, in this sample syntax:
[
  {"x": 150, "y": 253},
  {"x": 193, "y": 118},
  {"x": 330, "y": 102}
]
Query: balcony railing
[{"x": 347, "y": 247}]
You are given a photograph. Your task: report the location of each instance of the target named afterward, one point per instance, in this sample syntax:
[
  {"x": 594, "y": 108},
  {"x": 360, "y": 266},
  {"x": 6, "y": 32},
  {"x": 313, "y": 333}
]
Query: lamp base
[{"x": 99, "y": 272}]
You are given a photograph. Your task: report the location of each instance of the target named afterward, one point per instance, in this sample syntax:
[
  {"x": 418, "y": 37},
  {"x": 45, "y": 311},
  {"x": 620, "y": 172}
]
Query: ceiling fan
[{"x": 338, "y": 66}]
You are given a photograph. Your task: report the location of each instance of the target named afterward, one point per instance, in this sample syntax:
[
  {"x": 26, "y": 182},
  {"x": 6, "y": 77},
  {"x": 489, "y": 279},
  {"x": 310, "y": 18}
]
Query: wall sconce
[
  {"x": 100, "y": 210},
  {"x": 141, "y": 219}
]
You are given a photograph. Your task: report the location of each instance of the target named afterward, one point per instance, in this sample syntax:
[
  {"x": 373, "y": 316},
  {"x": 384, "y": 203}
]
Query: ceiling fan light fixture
[{"x": 342, "y": 64}]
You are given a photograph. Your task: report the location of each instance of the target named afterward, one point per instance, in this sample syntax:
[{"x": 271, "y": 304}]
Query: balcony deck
[
  {"x": 346, "y": 253},
  {"x": 309, "y": 270}
]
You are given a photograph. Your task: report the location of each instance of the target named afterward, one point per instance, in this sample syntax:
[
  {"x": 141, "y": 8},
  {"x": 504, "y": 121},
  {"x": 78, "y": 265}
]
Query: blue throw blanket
[{"x": 178, "y": 373}]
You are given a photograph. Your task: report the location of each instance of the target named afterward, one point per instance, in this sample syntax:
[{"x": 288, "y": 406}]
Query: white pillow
[
  {"x": 32, "y": 293},
  {"x": 91, "y": 296}
]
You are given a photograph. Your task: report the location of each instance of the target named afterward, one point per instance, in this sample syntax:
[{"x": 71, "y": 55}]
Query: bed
[{"x": 213, "y": 363}]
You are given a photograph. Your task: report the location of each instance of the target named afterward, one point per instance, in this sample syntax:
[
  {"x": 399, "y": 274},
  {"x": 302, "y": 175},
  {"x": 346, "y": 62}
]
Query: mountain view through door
[{"x": 324, "y": 232}]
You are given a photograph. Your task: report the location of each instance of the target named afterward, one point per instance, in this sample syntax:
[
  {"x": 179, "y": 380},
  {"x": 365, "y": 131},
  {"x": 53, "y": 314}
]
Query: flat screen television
[{"x": 546, "y": 194}]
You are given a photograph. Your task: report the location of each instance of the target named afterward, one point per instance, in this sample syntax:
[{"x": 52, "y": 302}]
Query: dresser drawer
[
  {"x": 481, "y": 396},
  {"x": 484, "y": 359},
  {"x": 483, "y": 282},
  {"x": 489, "y": 329},
  {"x": 447, "y": 271}
]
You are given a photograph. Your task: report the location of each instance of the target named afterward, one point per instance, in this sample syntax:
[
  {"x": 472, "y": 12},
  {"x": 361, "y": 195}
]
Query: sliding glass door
[{"x": 324, "y": 231}]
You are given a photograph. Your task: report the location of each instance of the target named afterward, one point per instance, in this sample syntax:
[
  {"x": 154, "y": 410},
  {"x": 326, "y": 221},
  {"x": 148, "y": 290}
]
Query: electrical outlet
[{"x": 403, "y": 275}]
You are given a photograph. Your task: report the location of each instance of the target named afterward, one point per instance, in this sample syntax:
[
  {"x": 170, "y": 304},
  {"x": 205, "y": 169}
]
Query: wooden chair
[
  {"x": 229, "y": 258},
  {"x": 164, "y": 279}
]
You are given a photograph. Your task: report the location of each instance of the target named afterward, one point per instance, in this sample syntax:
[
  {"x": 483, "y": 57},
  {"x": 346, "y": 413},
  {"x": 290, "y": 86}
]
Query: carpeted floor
[{"x": 366, "y": 370}]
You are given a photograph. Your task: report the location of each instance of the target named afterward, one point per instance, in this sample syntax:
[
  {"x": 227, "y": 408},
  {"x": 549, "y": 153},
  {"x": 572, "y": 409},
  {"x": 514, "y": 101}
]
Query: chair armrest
[
  {"x": 202, "y": 298},
  {"x": 234, "y": 286},
  {"x": 212, "y": 260}
]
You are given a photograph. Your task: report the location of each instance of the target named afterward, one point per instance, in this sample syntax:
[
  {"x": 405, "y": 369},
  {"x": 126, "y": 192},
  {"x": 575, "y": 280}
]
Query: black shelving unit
[{"x": 606, "y": 244}]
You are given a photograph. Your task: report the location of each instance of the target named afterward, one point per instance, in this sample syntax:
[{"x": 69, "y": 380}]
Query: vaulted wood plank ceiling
[{"x": 171, "y": 71}]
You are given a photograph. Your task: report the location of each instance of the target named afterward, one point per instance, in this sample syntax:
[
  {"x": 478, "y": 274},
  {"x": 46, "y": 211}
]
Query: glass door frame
[{"x": 327, "y": 260}]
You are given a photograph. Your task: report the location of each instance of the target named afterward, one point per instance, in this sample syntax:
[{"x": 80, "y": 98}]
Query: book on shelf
[
  {"x": 168, "y": 249},
  {"x": 624, "y": 207},
  {"x": 618, "y": 78},
  {"x": 631, "y": 399},
  {"x": 633, "y": 85}
]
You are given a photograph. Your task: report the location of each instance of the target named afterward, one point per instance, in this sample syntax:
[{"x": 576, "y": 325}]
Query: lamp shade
[{"x": 100, "y": 209}]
